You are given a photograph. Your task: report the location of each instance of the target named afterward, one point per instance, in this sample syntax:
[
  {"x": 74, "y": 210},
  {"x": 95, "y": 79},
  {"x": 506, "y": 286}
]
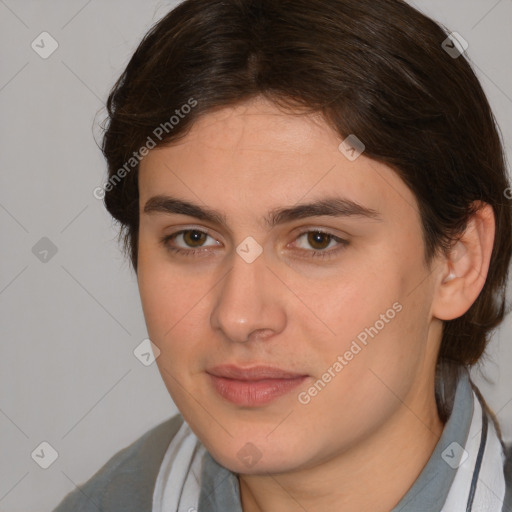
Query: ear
[{"x": 464, "y": 271}]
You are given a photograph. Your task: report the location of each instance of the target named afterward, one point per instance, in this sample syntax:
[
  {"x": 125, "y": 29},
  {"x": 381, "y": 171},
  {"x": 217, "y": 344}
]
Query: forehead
[
  {"x": 259, "y": 125},
  {"x": 253, "y": 157}
]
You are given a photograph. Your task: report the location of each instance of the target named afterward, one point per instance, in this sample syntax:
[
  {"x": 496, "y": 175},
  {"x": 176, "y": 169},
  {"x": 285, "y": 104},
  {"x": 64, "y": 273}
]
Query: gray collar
[{"x": 220, "y": 490}]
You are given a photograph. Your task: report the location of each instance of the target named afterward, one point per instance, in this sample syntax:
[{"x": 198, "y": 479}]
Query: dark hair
[{"x": 373, "y": 68}]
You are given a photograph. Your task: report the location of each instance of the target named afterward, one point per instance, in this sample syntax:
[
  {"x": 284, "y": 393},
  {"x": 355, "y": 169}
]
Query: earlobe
[{"x": 465, "y": 269}]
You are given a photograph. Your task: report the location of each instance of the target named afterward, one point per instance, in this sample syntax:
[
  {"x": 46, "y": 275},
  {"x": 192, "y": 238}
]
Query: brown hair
[{"x": 373, "y": 68}]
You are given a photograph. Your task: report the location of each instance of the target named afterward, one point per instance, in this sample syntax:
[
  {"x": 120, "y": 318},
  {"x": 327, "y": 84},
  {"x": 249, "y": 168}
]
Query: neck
[{"x": 374, "y": 475}]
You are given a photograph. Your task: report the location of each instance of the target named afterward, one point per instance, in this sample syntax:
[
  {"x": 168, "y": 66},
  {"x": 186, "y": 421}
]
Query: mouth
[{"x": 253, "y": 386}]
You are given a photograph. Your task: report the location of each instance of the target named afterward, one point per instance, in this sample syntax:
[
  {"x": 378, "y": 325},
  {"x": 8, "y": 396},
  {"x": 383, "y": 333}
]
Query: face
[{"x": 286, "y": 332}]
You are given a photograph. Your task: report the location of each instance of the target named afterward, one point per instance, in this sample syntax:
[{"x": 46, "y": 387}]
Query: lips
[
  {"x": 251, "y": 373},
  {"x": 253, "y": 386}
]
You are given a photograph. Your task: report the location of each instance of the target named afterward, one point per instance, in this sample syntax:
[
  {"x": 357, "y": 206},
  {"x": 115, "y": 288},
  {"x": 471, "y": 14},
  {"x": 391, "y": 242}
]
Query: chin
[
  {"x": 258, "y": 457},
  {"x": 261, "y": 467}
]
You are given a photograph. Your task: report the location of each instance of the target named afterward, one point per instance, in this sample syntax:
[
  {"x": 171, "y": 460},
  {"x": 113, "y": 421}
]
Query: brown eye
[
  {"x": 319, "y": 244},
  {"x": 319, "y": 240},
  {"x": 194, "y": 238},
  {"x": 189, "y": 242}
]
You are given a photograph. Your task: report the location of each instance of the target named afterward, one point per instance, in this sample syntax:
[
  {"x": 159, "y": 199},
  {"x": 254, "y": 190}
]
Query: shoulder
[
  {"x": 508, "y": 477},
  {"x": 126, "y": 482}
]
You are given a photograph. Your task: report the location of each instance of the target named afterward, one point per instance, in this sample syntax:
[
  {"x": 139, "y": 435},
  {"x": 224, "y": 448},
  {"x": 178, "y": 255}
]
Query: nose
[{"x": 249, "y": 304}]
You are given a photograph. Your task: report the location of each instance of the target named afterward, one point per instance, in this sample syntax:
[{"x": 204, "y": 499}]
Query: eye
[
  {"x": 321, "y": 242},
  {"x": 191, "y": 240}
]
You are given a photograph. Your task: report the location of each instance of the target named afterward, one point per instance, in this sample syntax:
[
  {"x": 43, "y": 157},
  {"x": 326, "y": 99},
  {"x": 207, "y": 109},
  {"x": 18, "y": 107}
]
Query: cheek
[
  {"x": 375, "y": 321},
  {"x": 168, "y": 299},
  {"x": 177, "y": 306},
  {"x": 354, "y": 302},
  {"x": 171, "y": 315}
]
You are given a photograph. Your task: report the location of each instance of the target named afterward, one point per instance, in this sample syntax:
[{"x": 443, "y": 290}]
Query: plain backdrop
[{"x": 70, "y": 323}]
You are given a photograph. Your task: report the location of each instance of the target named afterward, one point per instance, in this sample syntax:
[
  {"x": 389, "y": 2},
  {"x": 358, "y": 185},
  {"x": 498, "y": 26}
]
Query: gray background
[{"x": 69, "y": 325}]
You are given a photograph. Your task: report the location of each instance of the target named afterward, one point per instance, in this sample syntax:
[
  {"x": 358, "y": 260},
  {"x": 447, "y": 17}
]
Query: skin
[{"x": 362, "y": 441}]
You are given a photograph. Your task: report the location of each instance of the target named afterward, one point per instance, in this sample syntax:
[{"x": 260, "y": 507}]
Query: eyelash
[{"x": 314, "y": 253}]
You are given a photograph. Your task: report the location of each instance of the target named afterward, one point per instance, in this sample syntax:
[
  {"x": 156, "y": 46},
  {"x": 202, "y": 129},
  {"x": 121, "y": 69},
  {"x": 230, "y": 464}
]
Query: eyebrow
[{"x": 329, "y": 206}]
